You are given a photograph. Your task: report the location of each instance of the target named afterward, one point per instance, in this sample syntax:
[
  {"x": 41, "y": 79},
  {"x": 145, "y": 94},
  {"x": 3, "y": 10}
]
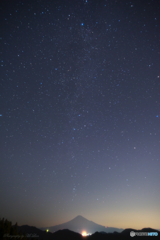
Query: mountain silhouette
[
  {"x": 31, "y": 230},
  {"x": 37, "y": 234},
  {"x": 79, "y": 224},
  {"x": 66, "y": 234},
  {"x": 33, "y": 233}
]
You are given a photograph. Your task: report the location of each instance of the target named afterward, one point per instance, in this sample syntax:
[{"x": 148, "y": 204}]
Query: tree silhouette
[{"x": 6, "y": 228}]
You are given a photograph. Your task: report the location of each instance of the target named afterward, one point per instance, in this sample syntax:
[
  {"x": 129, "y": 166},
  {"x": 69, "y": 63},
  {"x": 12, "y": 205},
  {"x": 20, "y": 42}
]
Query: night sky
[{"x": 80, "y": 112}]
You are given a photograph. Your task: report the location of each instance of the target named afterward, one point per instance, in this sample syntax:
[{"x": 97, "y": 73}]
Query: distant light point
[
  {"x": 84, "y": 233},
  {"x": 81, "y": 24}
]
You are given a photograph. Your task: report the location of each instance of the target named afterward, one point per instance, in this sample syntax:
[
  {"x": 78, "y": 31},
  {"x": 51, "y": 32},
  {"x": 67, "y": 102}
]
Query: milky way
[{"x": 80, "y": 107}]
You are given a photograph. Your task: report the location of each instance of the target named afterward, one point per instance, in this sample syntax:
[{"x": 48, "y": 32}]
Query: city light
[{"x": 84, "y": 233}]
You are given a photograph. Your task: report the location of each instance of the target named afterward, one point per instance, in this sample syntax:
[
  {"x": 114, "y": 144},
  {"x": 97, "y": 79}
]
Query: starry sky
[{"x": 80, "y": 112}]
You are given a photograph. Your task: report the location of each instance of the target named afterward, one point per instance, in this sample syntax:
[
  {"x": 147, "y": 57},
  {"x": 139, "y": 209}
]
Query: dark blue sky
[{"x": 80, "y": 112}]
